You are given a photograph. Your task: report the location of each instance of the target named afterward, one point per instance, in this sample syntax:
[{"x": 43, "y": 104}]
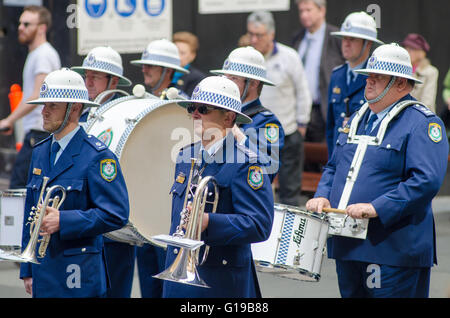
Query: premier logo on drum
[{"x": 299, "y": 234}]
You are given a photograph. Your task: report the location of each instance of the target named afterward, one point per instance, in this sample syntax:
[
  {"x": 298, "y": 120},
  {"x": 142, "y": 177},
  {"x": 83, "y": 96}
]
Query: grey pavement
[{"x": 275, "y": 287}]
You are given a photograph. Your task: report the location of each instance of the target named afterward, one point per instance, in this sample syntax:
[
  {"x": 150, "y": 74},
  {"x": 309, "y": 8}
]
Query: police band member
[
  {"x": 96, "y": 201},
  {"x": 102, "y": 70},
  {"x": 245, "y": 208},
  {"x": 159, "y": 62},
  {"x": 346, "y": 90},
  {"x": 246, "y": 68},
  {"x": 394, "y": 189}
]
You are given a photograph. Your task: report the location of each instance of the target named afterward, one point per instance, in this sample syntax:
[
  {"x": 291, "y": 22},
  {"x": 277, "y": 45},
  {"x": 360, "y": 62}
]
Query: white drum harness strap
[{"x": 343, "y": 225}]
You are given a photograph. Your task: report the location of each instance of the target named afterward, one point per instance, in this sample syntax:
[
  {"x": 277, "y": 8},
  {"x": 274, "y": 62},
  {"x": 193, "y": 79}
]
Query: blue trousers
[
  {"x": 366, "y": 280},
  {"x": 19, "y": 174},
  {"x": 120, "y": 258},
  {"x": 150, "y": 261}
]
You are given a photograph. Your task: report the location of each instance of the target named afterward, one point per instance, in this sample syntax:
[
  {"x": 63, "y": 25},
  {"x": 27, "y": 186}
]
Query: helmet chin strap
[
  {"x": 362, "y": 50},
  {"x": 66, "y": 119},
  {"x": 383, "y": 93},
  {"x": 245, "y": 92},
  {"x": 161, "y": 79}
]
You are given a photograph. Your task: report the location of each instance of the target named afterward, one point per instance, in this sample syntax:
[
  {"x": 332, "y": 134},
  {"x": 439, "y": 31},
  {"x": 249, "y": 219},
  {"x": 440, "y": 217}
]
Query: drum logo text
[{"x": 299, "y": 234}]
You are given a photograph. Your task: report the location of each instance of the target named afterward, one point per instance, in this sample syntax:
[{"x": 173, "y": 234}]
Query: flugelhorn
[
  {"x": 184, "y": 268},
  {"x": 35, "y": 220}
]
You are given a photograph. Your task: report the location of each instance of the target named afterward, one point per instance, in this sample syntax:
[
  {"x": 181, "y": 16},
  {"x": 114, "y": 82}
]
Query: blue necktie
[
  {"x": 54, "y": 151},
  {"x": 372, "y": 119},
  {"x": 351, "y": 77}
]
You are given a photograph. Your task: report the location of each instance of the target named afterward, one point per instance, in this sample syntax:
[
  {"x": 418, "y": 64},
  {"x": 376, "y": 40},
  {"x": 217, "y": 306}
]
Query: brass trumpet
[
  {"x": 35, "y": 220},
  {"x": 184, "y": 268}
]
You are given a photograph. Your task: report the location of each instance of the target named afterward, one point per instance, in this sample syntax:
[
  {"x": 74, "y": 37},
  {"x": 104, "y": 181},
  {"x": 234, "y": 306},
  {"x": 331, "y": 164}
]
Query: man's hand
[
  {"x": 50, "y": 223},
  {"x": 317, "y": 204},
  {"x": 302, "y": 131},
  {"x": 6, "y": 127},
  {"x": 361, "y": 211},
  {"x": 28, "y": 283}
]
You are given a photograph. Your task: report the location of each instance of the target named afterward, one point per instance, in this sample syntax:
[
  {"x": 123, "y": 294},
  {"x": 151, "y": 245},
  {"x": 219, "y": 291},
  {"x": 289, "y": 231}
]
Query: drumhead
[
  {"x": 148, "y": 164},
  {"x": 146, "y": 135}
]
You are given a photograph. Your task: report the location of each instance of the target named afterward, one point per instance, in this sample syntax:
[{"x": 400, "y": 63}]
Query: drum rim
[
  {"x": 102, "y": 109},
  {"x": 13, "y": 193},
  {"x": 132, "y": 124},
  {"x": 296, "y": 210}
]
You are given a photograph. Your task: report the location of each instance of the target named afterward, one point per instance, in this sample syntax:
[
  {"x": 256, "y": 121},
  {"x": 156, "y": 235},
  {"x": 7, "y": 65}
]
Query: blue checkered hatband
[
  {"x": 362, "y": 31},
  {"x": 61, "y": 93},
  {"x": 103, "y": 66},
  {"x": 390, "y": 67},
  {"x": 160, "y": 58},
  {"x": 245, "y": 68},
  {"x": 217, "y": 99}
]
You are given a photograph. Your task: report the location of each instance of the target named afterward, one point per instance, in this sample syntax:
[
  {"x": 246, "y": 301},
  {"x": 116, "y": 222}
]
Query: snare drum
[
  {"x": 295, "y": 246},
  {"x": 12, "y": 205},
  {"x": 146, "y": 135}
]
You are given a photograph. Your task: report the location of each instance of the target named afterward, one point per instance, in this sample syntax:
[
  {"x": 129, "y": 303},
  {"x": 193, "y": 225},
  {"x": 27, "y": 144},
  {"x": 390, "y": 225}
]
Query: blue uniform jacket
[
  {"x": 337, "y": 110},
  {"x": 265, "y": 134},
  {"x": 74, "y": 264},
  {"x": 244, "y": 215},
  {"x": 400, "y": 179}
]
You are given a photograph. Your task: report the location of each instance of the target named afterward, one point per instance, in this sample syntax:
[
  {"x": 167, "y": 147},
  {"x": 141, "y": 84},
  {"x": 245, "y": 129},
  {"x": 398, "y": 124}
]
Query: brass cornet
[
  {"x": 184, "y": 268},
  {"x": 35, "y": 220}
]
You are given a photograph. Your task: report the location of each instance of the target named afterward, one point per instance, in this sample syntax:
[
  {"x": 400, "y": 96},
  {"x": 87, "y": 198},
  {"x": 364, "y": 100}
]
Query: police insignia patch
[
  {"x": 255, "y": 177},
  {"x": 106, "y": 136},
  {"x": 435, "y": 132},
  {"x": 108, "y": 169},
  {"x": 271, "y": 133}
]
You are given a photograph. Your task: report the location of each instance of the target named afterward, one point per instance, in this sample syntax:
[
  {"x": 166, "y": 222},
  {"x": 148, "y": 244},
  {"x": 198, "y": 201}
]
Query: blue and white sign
[
  {"x": 125, "y": 8},
  {"x": 154, "y": 7},
  {"x": 128, "y": 26},
  {"x": 235, "y": 6},
  {"x": 95, "y": 8}
]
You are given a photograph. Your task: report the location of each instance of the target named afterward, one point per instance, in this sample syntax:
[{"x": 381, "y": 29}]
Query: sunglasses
[
  {"x": 202, "y": 108},
  {"x": 27, "y": 24}
]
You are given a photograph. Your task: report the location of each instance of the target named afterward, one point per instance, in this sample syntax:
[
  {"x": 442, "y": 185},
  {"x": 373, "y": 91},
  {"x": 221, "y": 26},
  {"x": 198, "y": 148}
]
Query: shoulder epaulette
[
  {"x": 95, "y": 143},
  {"x": 424, "y": 110},
  {"x": 251, "y": 154},
  {"x": 338, "y": 67},
  {"x": 43, "y": 141}
]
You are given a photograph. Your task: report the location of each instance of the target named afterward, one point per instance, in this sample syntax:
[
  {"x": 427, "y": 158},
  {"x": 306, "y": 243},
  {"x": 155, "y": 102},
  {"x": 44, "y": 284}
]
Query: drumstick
[{"x": 331, "y": 210}]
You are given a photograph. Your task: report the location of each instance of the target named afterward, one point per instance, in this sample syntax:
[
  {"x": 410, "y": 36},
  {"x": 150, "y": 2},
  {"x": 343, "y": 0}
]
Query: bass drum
[{"x": 146, "y": 135}]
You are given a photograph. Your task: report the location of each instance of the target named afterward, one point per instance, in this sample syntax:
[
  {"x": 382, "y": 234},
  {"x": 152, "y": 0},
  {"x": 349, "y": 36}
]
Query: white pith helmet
[
  {"x": 104, "y": 59},
  {"x": 390, "y": 59},
  {"x": 245, "y": 62},
  {"x": 359, "y": 25},
  {"x": 161, "y": 53},
  {"x": 63, "y": 85},
  {"x": 220, "y": 92}
]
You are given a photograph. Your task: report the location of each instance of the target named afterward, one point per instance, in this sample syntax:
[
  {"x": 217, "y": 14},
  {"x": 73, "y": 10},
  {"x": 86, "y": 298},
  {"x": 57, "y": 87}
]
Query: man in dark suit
[{"x": 320, "y": 53}]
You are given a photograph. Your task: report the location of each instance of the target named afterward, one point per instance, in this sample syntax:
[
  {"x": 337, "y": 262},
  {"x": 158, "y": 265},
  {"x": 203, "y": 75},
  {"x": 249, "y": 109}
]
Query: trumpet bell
[
  {"x": 183, "y": 270},
  {"x": 25, "y": 257}
]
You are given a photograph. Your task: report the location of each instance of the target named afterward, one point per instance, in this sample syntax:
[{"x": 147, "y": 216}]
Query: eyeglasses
[
  {"x": 202, "y": 108},
  {"x": 26, "y": 24}
]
